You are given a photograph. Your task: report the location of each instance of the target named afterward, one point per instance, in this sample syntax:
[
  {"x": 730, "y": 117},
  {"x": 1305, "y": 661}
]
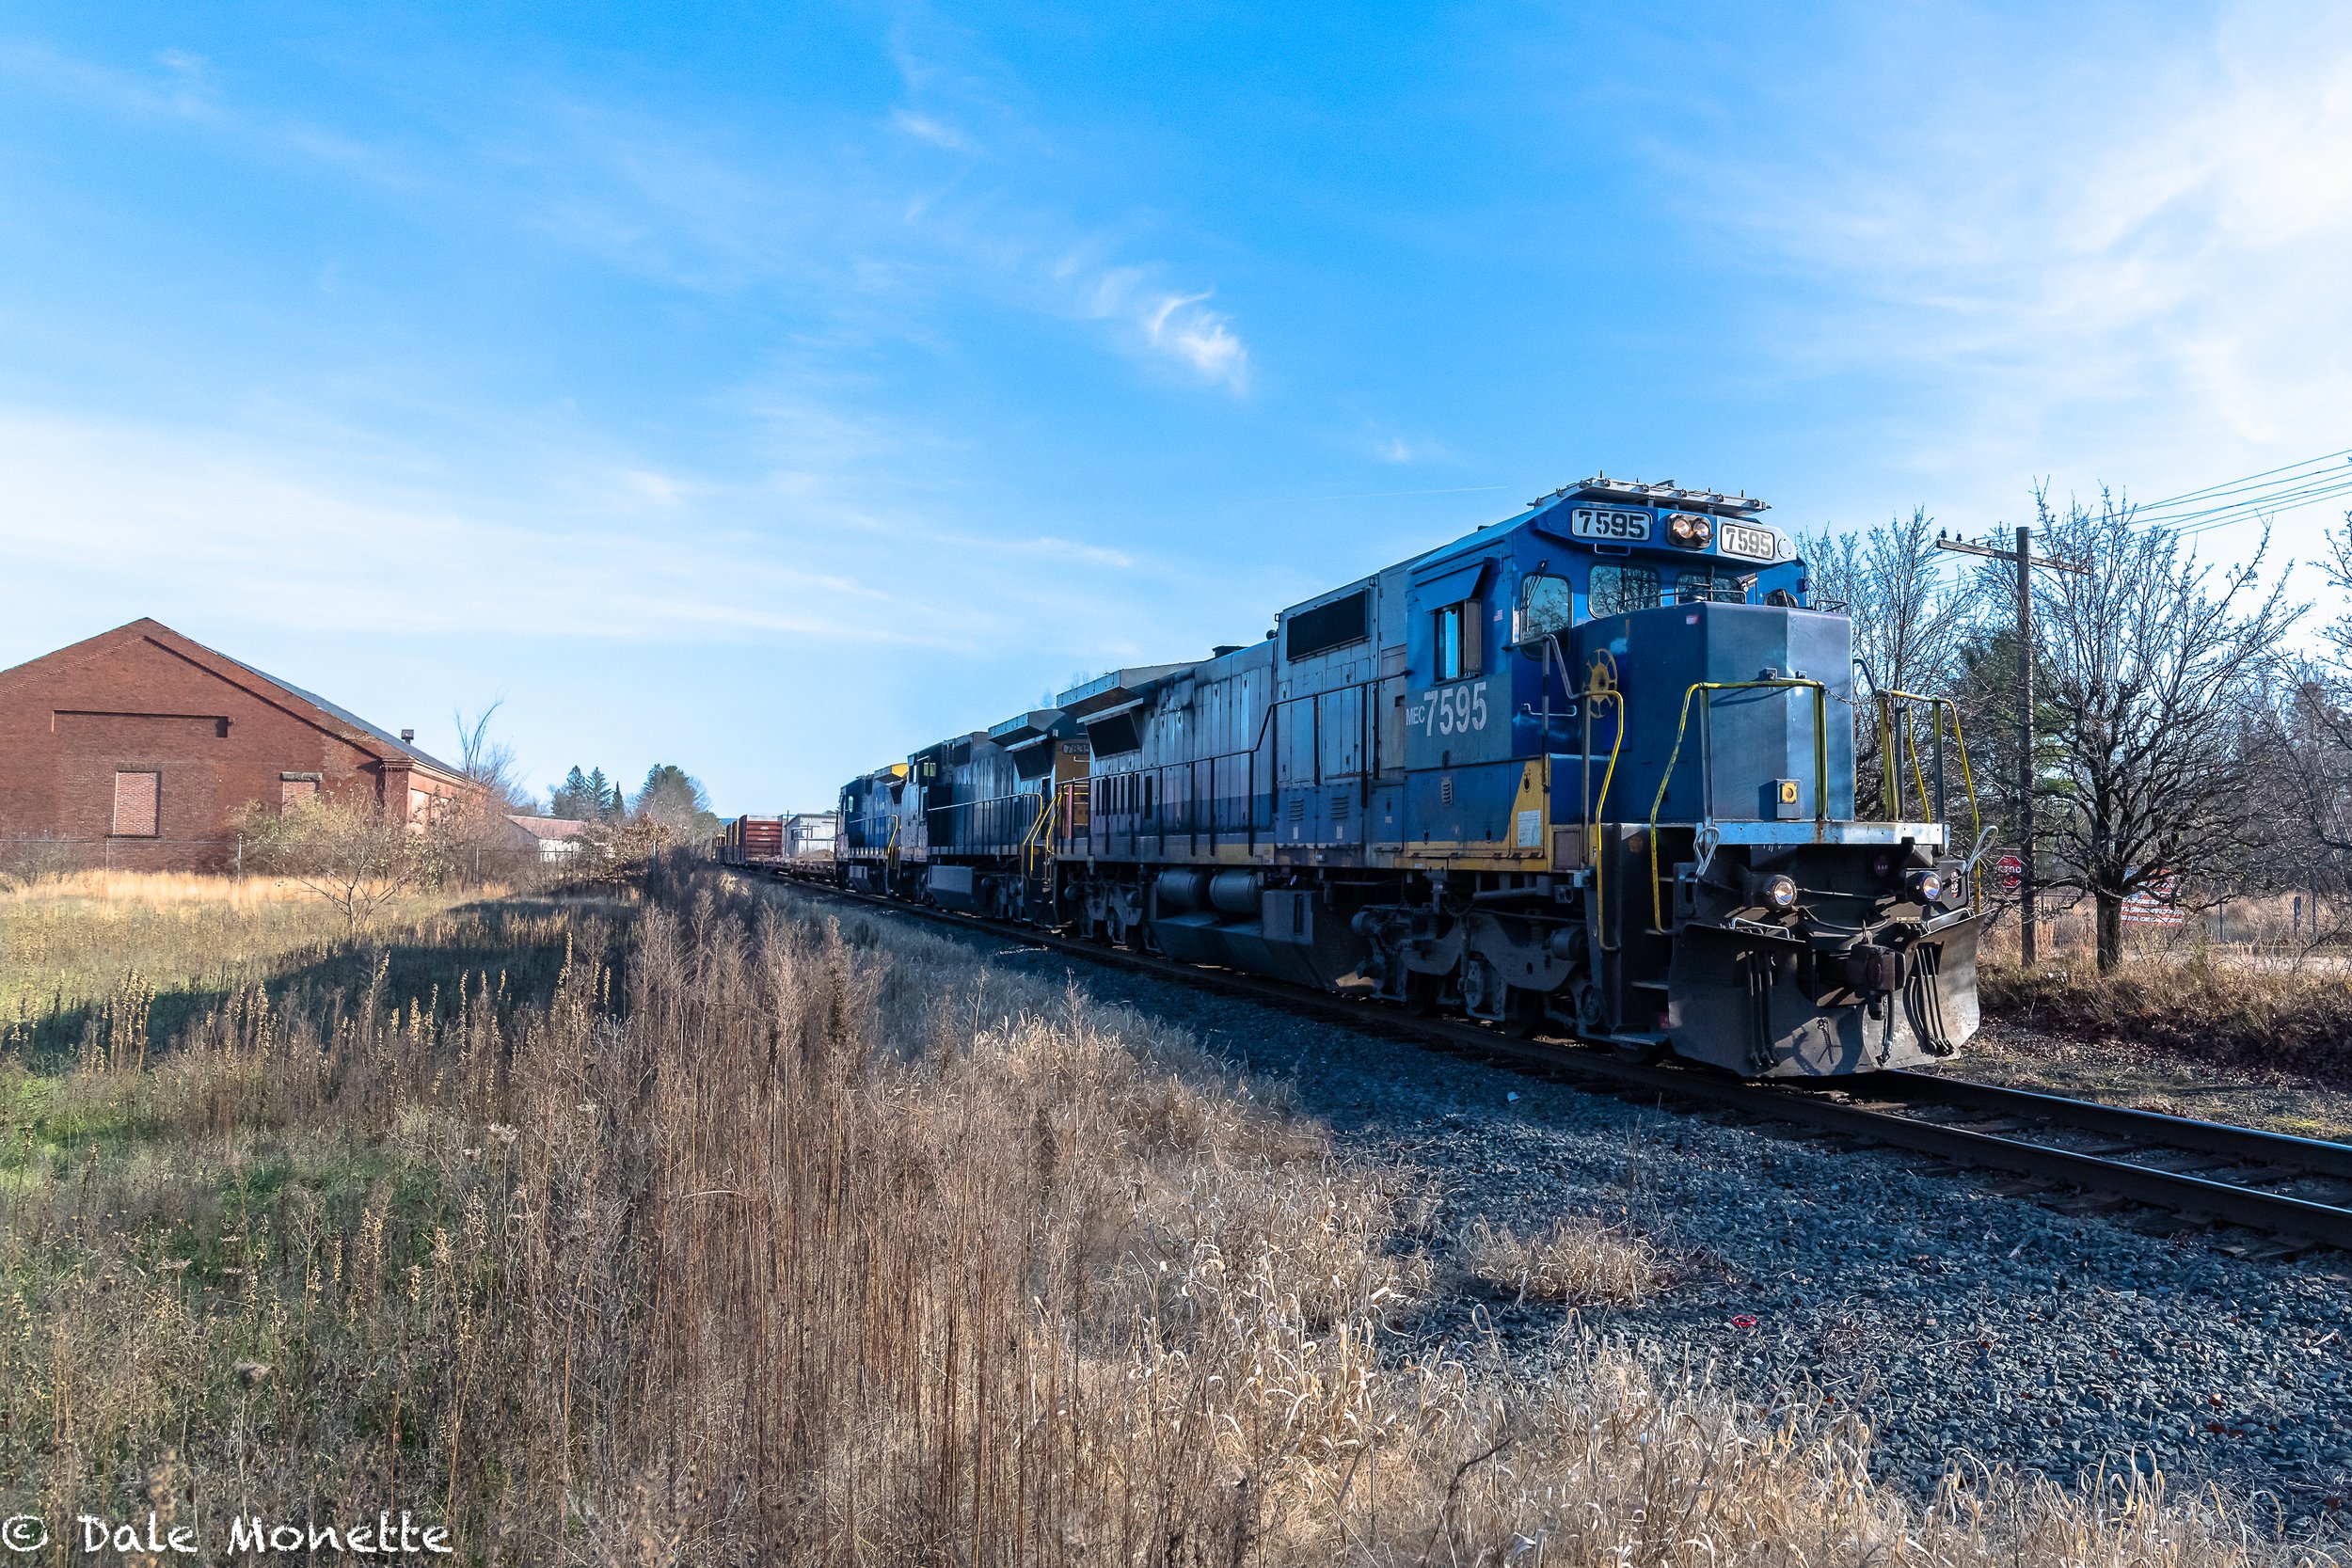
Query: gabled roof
[
  {"x": 306, "y": 705},
  {"x": 550, "y": 827},
  {"x": 344, "y": 714}
]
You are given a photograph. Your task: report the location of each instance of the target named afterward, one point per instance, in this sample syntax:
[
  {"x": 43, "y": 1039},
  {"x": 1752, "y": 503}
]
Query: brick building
[{"x": 135, "y": 748}]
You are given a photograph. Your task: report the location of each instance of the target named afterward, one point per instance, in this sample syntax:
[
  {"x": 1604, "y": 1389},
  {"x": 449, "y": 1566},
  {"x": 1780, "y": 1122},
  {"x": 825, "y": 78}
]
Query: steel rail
[
  {"x": 1817, "y": 1105},
  {"x": 2313, "y": 1156}
]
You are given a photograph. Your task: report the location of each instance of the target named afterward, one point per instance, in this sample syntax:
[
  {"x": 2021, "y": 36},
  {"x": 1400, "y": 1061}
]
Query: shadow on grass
[{"x": 520, "y": 944}]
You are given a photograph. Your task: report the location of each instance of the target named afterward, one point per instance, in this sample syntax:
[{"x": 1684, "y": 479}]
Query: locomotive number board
[
  {"x": 1757, "y": 544},
  {"x": 1606, "y": 522}
]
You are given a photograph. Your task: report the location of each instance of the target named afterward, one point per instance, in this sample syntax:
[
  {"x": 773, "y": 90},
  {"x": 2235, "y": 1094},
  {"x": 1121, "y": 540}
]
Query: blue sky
[{"x": 770, "y": 389}]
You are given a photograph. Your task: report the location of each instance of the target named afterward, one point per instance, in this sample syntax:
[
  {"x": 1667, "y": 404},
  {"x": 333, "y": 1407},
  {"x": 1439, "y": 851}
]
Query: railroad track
[{"x": 2297, "y": 1192}]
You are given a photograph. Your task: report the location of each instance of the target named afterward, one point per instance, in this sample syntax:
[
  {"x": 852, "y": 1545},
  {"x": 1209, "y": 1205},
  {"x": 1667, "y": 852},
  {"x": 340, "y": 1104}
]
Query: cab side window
[
  {"x": 1622, "y": 590},
  {"x": 1547, "y": 605},
  {"x": 1459, "y": 652}
]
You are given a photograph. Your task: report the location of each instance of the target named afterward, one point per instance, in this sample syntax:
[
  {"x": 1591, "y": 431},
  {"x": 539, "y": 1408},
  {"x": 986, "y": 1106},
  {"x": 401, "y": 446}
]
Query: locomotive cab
[
  {"x": 1760, "y": 924},
  {"x": 1661, "y": 847}
]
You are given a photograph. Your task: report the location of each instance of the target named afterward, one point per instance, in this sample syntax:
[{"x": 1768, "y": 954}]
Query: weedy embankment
[
  {"x": 757, "y": 1238},
  {"x": 2193, "y": 1005}
]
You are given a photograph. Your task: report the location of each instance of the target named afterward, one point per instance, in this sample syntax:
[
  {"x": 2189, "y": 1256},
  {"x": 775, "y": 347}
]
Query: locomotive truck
[{"x": 1589, "y": 771}]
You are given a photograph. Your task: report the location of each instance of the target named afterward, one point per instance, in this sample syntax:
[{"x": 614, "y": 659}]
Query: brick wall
[{"x": 143, "y": 700}]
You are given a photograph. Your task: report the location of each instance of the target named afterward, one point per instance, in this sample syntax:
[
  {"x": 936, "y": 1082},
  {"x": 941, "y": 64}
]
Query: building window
[
  {"x": 1458, "y": 641},
  {"x": 296, "y": 789},
  {"x": 137, "y": 804},
  {"x": 1622, "y": 590}
]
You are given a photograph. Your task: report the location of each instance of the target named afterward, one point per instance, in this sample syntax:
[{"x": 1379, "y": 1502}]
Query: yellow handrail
[
  {"x": 1896, "y": 740},
  {"x": 1602, "y": 685},
  {"x": 1820, "y": 766},
  {"x": 1044, "y": 813},
  {"x": 1938, "y": 707}
]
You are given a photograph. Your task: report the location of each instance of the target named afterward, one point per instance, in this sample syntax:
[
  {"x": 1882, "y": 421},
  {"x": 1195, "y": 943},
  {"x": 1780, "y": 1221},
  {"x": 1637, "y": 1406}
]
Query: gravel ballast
[{"x": 1965, "y": 1325}]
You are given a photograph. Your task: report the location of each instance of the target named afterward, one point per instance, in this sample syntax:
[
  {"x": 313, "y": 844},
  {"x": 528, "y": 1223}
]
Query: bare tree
[
  {"x": 2159, "y": 664},
  {"x": 1909, "y": 621},
  {"x": 488, "y": 763},
  {"x": 2310, "y": 785},
  {"x": 676, "y": 803},
  {"x": 472, "y": 838},
  {"x": 2338, "y": 567}
]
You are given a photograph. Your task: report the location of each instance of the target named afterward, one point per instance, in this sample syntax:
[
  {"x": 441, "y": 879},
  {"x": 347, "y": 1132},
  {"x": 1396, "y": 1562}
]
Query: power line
[
  {"x": 2286, "y": 488},
  {"x": 2228, "y": 485},
  {"x": 2270, "y": 505}
]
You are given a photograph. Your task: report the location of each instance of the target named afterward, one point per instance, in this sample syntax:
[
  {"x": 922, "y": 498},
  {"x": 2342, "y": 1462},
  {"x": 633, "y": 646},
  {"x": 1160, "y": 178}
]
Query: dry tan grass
[
  {"x": 144, "y": 892},
  {"x": 768, "y": 1239},
  {"x": 124, "y": 943},
  {"x": 2191, "y": 1004},
  {"x": 1577, "y": 1260}
]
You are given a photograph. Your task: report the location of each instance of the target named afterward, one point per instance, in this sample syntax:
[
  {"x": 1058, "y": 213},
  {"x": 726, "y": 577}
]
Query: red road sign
[{"x": 2009, "y": 870}]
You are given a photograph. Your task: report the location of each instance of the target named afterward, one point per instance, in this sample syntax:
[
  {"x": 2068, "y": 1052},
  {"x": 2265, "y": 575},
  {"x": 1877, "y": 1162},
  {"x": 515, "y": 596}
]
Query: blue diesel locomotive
[{"x": 1589, "y": 772}]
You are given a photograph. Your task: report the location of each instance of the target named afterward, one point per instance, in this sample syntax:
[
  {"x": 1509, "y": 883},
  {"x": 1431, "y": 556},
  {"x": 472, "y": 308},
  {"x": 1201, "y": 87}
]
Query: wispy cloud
[
  {"x": 2109, "y": 279},
  {"x": 923, "y": 127},
  {"x": 1076, "y": 261},
  {"x": 1177, "y": 328},
  {"x": 183, "y": 90},
  {"x": 598, "y": 551},
  {"x": 1388, "y": 445},
  {"x": 875, "y": 234}
]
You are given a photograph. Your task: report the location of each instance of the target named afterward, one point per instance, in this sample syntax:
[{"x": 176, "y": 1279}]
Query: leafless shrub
[
  {"x": 357, "y": 857},
  {"x": 30, "y": 860}
]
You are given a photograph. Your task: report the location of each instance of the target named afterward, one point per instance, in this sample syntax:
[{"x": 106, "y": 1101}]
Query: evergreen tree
[
  {"x": 604, "y": 796},
  {"x": 573, "y": 798}
]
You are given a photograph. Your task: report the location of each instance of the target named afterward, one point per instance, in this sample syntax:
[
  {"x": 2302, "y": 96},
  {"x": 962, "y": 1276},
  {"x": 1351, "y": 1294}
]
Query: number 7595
[{"x": 1456, "y": 710}]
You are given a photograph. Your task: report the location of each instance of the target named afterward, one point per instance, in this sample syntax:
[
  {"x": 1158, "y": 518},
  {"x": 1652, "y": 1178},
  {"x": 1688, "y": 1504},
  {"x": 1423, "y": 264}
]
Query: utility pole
[{"x": 2026, "y": 561}]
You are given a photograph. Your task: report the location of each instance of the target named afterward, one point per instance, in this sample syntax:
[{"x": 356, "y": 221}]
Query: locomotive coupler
[{"x": 1873, "y": 971}]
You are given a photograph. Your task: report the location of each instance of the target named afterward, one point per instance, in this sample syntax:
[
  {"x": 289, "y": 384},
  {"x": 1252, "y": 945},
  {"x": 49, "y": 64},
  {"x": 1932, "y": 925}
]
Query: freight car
[
  {"x": 1588, "y": 771},
  {"x": 751, "y": 842},
  {"x": 809, "y": 839},
  {"x": 801, "y": 842}
]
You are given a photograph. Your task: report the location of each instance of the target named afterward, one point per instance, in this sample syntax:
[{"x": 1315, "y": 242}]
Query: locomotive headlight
[
  {"x": 1882, "y": 863},
  {"x": 1925, "y": 887},
  {"x": 1778, "y": 892},
  {"x": 1688, "y": 528}
]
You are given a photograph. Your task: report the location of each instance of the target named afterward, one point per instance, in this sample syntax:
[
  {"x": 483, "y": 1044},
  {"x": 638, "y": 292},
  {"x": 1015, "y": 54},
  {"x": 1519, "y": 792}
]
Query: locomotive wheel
[
  {"x": 1523, "y": 1013},
  {"x": 1485, "y": 995}
]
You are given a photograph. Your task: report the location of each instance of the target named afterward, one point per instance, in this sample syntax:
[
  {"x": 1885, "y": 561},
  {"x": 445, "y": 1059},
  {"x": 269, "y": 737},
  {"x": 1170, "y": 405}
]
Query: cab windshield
[
  {"x": 1713, "y": 585},
  {"x": 1622, "y": 590}
]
